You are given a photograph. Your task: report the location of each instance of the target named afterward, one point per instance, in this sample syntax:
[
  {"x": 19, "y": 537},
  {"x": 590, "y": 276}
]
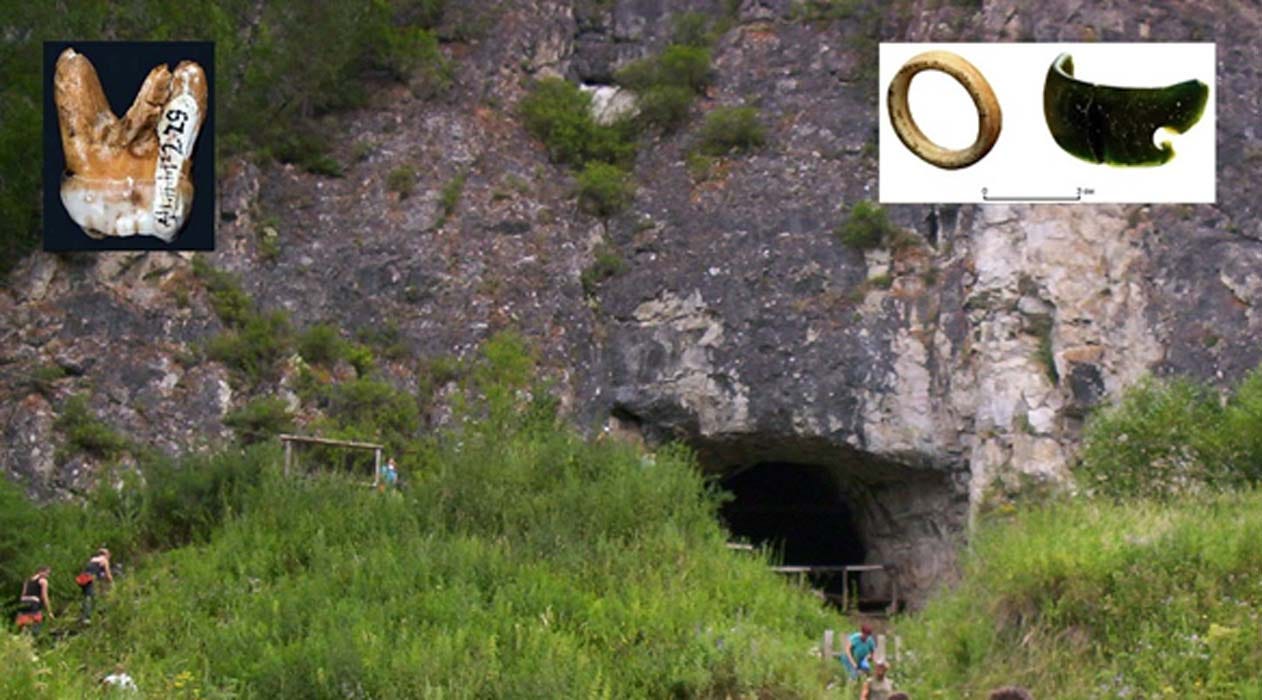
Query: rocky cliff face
[{"x": 925, "y": 378}]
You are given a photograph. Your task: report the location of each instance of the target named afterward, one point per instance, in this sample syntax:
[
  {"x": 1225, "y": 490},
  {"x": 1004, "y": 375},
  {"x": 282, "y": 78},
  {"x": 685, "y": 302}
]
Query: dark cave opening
[{"x": 798, "y": 511}]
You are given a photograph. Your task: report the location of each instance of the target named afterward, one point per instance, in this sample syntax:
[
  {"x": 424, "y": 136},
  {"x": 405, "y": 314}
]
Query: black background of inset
[{"x": 122, "y": 67}]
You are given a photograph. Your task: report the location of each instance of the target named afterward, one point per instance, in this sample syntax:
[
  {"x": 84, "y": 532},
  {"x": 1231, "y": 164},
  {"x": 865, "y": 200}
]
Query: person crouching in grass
[{"x": 34, "y": 602}]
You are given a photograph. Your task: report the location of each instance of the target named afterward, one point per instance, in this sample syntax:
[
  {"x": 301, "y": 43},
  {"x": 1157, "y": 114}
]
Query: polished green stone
[{"x": 1115, "y": 125}]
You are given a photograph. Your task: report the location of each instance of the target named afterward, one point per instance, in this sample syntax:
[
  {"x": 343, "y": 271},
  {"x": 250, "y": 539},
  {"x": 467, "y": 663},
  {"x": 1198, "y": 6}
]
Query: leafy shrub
[
  {"x": 559, "y": 114},
  {"x": 866, "y": 226},
  {"x": 692, "y": 29},
  {"x": 665, "y": 107},
  {"x": 253, "y": 350},
  {"x": 686, "y": 66},
  {"x": 85, "y": 433},
  {"x": 667, "y": 83},
  {"x": 261, "y": 419},
  {"x": 603, "y": 189},
  {"x": 184, "y": 499},
  {"x": 402, "y": 180},
  {"x": 361, "y": 358},
  {"x": 731, "y": 130},
  {"x": 1164, "y": 439},
  {"x": 387, "y": 339},
  {"x": 607, "y": 264},
  {"x": 306, "y": 148},
  {"x": 231, "y": 303},
  {"x": 373, "y": 409},
  {"x": 678, "y": 65},
  {"x": 17, "y": 537},
  {"x": 43, "y": 378},
  {"x": 321, "y": 344},
  {"x": 449, "y": 198}
]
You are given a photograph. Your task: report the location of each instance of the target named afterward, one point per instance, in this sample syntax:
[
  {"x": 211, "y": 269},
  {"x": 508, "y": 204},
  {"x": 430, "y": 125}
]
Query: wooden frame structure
[
  {"x": 289, "y": 440},
  {"x": 887, "y": 647},
  {"x": 845, "y": 572}
]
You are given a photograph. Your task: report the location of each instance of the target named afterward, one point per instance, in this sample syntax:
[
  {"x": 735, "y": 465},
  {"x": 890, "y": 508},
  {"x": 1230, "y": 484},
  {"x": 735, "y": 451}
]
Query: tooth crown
[{"x": 129, "y": 175}]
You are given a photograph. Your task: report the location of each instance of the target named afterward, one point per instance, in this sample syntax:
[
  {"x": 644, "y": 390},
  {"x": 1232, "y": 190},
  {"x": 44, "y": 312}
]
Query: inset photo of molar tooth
[
  {"x": 128, "y": 176},
  {"x": 1116, "y": 125}
]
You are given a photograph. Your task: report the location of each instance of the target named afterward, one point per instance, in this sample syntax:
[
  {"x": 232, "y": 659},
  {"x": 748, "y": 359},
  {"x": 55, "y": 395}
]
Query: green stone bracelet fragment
[{"x": 1115, "y": 125}]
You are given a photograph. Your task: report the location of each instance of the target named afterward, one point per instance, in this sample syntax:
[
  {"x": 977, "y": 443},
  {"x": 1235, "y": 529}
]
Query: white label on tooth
[{"x": 177, "y": 130}]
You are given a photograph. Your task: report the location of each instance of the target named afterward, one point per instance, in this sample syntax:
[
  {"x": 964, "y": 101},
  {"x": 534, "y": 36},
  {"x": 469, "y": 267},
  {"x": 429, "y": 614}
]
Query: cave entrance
[{"x": 802, "y": 513}]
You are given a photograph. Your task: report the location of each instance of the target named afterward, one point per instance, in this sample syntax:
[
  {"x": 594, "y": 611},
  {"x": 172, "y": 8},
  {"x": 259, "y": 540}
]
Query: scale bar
[{"x": 987, "y": 197}]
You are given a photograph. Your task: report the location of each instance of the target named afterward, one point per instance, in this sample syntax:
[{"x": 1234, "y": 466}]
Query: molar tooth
[{"x": 129, "y": 176}]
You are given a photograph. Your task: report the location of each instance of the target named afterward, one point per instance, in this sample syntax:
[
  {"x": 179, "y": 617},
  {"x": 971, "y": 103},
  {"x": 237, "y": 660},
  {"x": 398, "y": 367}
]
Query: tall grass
[
  {"x": 524, "y": 560},
  {"x": 1094, "y": 599}
]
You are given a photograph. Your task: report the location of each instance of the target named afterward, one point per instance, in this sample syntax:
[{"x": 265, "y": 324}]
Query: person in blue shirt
[
  {"x": 858, "y": 652},
  {"x": 389, "y": 475}
]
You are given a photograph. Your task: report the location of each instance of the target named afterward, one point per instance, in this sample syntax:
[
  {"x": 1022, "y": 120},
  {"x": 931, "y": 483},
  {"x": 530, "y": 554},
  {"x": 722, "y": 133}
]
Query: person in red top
[{"x": 34, "y": 601}]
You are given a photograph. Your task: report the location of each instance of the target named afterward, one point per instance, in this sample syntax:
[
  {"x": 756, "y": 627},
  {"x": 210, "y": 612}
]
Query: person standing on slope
[
  {"x": 97, "y": 568},
  {"x": 879, "y": 686}
]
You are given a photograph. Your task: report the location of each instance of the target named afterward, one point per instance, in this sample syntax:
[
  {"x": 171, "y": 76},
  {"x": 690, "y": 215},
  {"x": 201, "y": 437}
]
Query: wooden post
[
  {"x": 893, "y": 591},
  {"x": 827, "y": 647},
  {"x": 376, "y": 467},
  {"x": 289, "y": 454},
  {"x": 845, "y": 591}
]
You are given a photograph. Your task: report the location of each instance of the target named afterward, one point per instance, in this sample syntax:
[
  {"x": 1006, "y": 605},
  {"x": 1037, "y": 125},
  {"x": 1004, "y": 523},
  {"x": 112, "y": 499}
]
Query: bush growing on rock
[
  {"x": 85, "y": 433},
  {"x": 231, "y": 303},
  {"x": 603, "y": 189},
  {"x": 261, "y": 419},
  {"x": 559, "y": 114},
  {"x": 401, "y": 180},
  {"x": 608, "y": 263},
  {"x": 252, "y": 350},
  {"x": 865, "y": 227},
  {"x": 731, "y": 130},
  {"x": 321, "y": 344}
]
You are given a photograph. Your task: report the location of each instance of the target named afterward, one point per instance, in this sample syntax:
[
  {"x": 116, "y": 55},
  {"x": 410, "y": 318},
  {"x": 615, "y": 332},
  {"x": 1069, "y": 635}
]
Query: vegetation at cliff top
[{"x": 521, "y": 560}]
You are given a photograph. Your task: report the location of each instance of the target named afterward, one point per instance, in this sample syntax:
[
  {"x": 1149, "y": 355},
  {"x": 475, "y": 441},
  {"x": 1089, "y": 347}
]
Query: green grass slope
[
  {"x": 1102, "y": 600},
  {"x": 1148, "y": 584},
  {"x": 523, "y": 561}
]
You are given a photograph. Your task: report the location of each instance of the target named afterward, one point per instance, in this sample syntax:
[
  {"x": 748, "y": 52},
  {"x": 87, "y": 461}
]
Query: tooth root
[
  {"x": 135, "y": 130},
  {"x": 81, "y": 106}
]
